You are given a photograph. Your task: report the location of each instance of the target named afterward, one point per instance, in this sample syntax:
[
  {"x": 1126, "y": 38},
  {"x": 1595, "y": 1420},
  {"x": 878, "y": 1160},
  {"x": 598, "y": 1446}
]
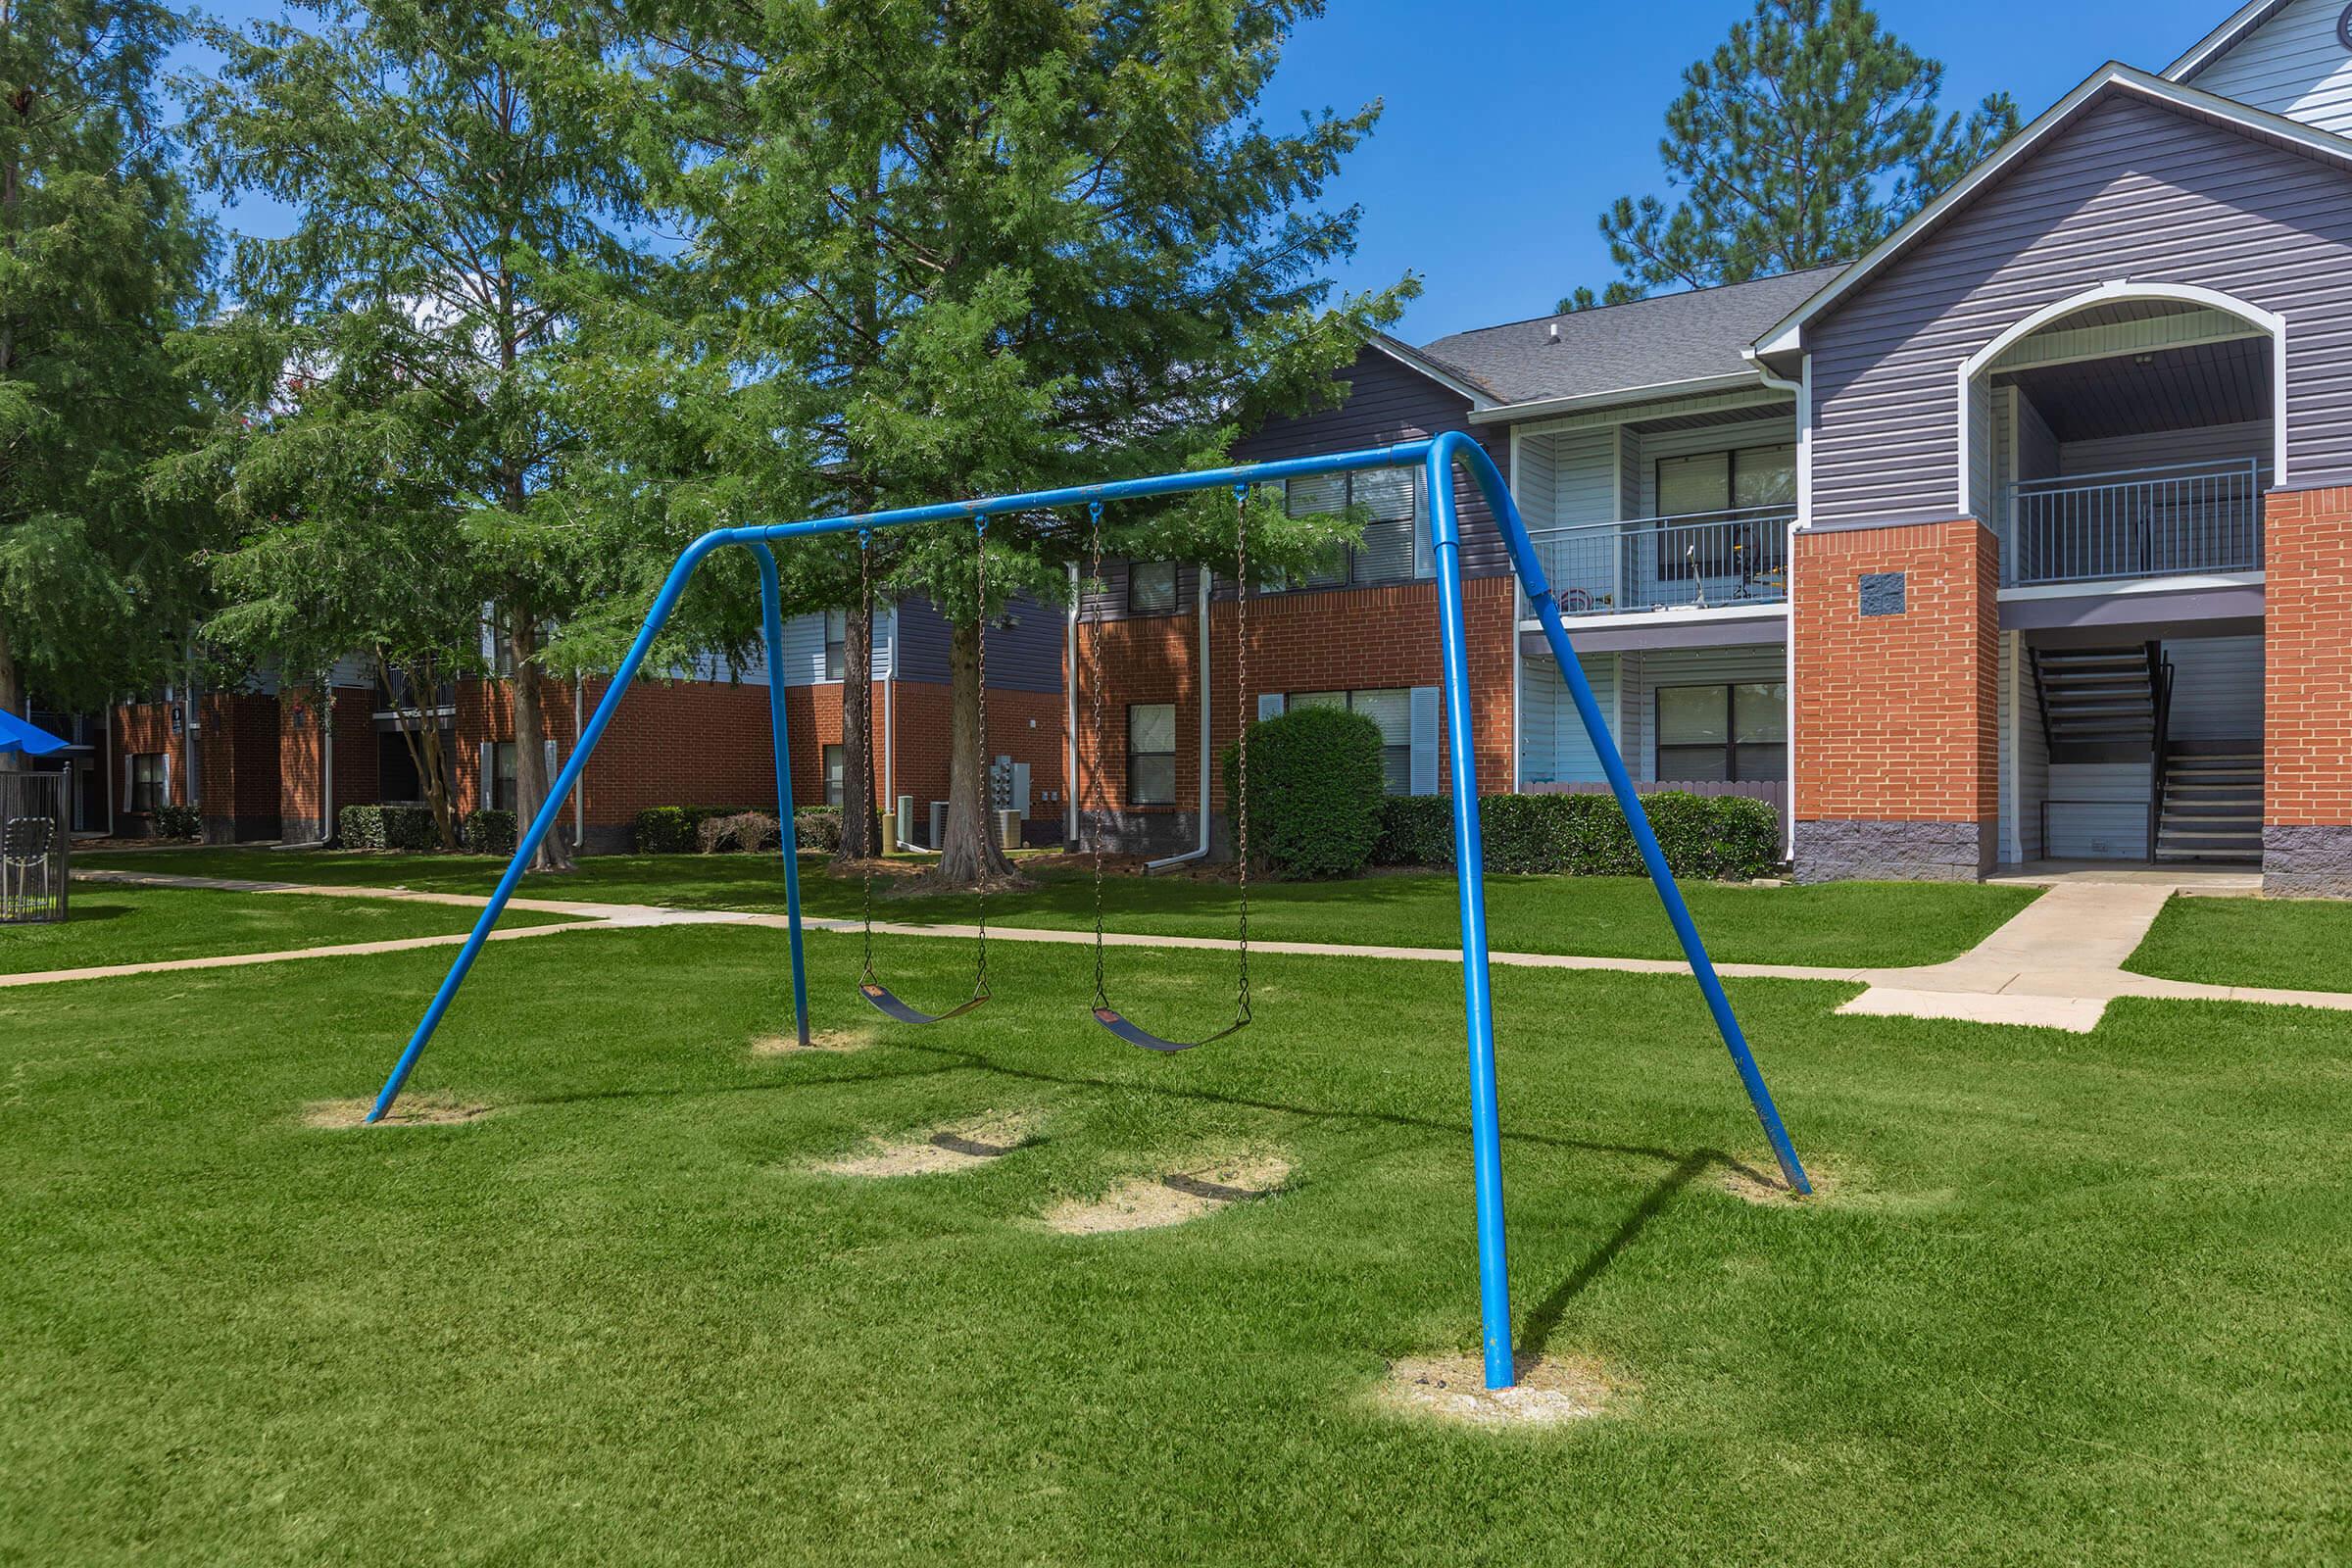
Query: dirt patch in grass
[
  {"x": 1173, "y": 1199},
  {"x": 409, "y": 1110},
  {"x": 1551, "y": 1390},
  {"x": 1767, "y": 1189},
  {"x": 835, "y": 1041},
  {"x": 939, "y": 1150}
]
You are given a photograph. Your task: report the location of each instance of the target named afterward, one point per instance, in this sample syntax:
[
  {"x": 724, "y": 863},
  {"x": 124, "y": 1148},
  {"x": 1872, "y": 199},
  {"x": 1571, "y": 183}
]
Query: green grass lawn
[
  {"x": 1856, "y": 924},
  {"x": 2295, "y": 943},
  {"x": 112, "y": 923},
  {"x": 2075, "y": 1299}
]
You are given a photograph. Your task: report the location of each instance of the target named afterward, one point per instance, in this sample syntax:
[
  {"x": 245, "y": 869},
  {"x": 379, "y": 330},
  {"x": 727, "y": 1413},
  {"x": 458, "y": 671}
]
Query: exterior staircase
[
  {"x": 2212, "y": 806},
  {"x": 2105, "y": 700}
]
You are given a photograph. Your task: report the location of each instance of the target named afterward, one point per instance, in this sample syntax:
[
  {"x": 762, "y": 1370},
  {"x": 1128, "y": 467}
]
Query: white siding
[
  {"x": 2114, "y": 826},
  {"x": 1553, "y": 746},
  {"x": 2216, "y": 689},
  {"x": 2025, "y": 755},
  {"x": 1532, "y": 482},
  {"x": 1780, "y": 429},
  {"x": 2293, "y": 65}
]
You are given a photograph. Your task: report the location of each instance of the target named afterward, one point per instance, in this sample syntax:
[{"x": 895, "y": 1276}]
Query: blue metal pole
[
  {"x": 1478, "y": 995},
  {"x": 1695, "y": 949},
  {"x": 549, "y": 809},
  {"x": 771, "y": 620}
]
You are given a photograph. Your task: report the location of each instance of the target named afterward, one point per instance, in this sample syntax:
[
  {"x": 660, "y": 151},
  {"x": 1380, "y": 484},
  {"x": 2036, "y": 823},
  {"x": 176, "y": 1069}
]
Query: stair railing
[{"x": 2160, "y": 685}]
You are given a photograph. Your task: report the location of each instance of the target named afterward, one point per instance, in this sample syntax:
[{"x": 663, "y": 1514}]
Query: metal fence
[
  {"x": 2135, "y": 523},
  {"x": 34, "y": 846},
  {"x": 1711, "y": 560}
]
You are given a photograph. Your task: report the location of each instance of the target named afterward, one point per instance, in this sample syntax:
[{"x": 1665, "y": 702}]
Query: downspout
[
  {"x": 1207, "y": 706},
  {"x": 890, "y": 739},
  {"x": 1802, "y": 391}
]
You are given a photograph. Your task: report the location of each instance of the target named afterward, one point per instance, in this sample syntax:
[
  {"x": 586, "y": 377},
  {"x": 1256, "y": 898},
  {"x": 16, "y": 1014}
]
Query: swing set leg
[{"x": 771, "y": 616}]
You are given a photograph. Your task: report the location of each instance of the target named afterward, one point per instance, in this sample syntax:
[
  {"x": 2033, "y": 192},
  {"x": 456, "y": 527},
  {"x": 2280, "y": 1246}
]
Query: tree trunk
[
  {"x": 859, "y": 838},
  {"x": 531, "y": 740},
  {"x": 970, "y": 855},
  {"x": 12, "y": 696},
  {"x": 421, "y": 732}
]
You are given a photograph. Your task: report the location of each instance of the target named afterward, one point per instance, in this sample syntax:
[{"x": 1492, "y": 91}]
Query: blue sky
[{"x": 1510, "y": 123}]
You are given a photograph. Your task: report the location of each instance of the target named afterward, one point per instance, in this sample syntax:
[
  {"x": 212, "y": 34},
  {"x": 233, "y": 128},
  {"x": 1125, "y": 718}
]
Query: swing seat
[
  {"x": 1135, "y": 1034},
  {"x": 889, "y": 1006}
]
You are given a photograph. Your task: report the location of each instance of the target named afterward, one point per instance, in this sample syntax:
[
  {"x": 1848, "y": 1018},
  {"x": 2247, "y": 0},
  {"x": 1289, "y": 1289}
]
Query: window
[
  {"x": 835, "y": 761},
  {"x": 1723, "y": 734},
  {"x": 1392, "y": 710},
  {"x": 837, "y": 639},
  {"x": 1389, "y": 500},
  {"x": 1715, "y": 497},
  {"x": 1150, "y": 587},
  {"x": 1151, "y": 754},
  {"x": 502, "y": 776},
  {"x": 148, "y": 771}
]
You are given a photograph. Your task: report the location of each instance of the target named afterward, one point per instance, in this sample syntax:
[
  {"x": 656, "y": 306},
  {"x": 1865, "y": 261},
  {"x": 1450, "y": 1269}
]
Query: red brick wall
[
  {"x": 301, "y": 750},
  {"x": 2308, "y": 660},
  {"x": 238, "y": 766},
  {"x": 1897, "y": 717},
  {"x": 1356, "y": 639}
]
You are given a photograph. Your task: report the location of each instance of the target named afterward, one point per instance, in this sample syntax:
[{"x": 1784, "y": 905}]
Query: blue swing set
[{"x": 1438, "y": 458}]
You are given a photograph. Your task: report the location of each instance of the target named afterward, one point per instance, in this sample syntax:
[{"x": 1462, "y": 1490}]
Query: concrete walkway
[{"x": 2056, "y": 965}]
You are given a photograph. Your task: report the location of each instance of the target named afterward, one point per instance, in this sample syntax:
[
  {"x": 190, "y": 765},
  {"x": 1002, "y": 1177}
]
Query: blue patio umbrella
[{"x": 16, "y": 735}]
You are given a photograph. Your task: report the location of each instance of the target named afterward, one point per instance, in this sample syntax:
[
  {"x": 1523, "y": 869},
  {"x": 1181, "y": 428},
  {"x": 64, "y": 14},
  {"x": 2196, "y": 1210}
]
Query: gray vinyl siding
[
  {"x": 2025, "y": 764},
  {"x": 2131, "y": 191},
  {"x": 1022, "y": 657},
  {"x": 1387, "y": 403},
  {"x": 1641, "y": 675},
  {"x": 2099, "y": 810},
  {"x": 1535, "y": 482},
  {"x": 1778, "y": 429},
  {"x": 2216, "y": 689},
  {"x": 2214, "y": 443},
  {"x": 1553, "y": 748},
  {"x": 2293, "y": 65}
]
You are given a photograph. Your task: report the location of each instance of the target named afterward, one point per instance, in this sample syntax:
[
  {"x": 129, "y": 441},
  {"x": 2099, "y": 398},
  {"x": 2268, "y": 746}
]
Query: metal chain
[
  {"x": 1094, "y": 511},
  {"x": 988, "y": 799},
  {"x": 865, "y": 585},
  {"x": 1240, "y": 814}
]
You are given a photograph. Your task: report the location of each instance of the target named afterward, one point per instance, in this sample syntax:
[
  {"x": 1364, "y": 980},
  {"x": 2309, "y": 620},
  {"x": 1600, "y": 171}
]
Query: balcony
[
  {"x": 1711, "y": 561},
  {"x": 2188, "y": 520}
]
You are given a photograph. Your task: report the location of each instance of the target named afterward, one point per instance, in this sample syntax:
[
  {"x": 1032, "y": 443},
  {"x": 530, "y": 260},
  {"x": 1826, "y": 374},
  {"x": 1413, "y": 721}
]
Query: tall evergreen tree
[
  {"x": 455, "y": 190},
  {"x": 101, "y": 266},
  {"x": 1810, "y": 134},
  {"x": 980, "y": 245}
]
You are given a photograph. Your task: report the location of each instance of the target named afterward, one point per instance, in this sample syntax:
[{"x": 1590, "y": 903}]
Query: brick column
[
  {"x": 2307, "y": 721},
  {"x": 1896, "y": 703}
]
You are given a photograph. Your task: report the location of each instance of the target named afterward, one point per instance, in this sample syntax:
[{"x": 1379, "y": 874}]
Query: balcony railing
[
  {"x": 1708, "y": 561},
  {"x": 2140, "y": 522}
]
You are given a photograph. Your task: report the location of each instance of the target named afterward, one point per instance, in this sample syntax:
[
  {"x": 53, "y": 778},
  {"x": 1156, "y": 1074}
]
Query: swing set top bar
[{"x": 1438, "y": 457}]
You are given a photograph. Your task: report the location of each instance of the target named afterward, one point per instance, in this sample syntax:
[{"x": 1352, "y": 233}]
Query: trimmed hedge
[
  {"x": 387, "y": 827},
  {"x": 1709, "y": 837},
  {"x": 1315, "y": 783},
  {"x": 178, "y": 822},
  {"x": 678, "y": 829},
  {"x": 489, "y": 832}
]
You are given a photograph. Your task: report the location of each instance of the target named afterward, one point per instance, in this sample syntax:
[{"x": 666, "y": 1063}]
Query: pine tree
[
  {"x": 457, "y": 195},
  {"x": 1809, "y": 135},
  {"x": 101, "y": 267},
  {"x": 969, "y": 246}
]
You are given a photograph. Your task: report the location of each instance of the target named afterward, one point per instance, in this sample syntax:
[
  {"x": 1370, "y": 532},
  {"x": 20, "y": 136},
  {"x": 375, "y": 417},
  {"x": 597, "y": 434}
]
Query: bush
[
  {"x": 489, "y": 832},
  {"x": 673, "y": 829},
  {"x": 1708, "y": 837},
  {"x": 178, "y": 822},
  {"x": 817, "y": 827},
  {"x": 387, "y": 827},
  {"x": 747, "y": 832},
  {"x": 1316, "y": 788}
]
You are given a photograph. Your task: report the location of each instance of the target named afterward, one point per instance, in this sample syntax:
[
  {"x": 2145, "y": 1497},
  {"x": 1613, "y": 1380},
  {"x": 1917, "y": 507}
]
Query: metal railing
[
  {"x": 2134, "y": 522},
  {"x": 1714, "y": 560}
]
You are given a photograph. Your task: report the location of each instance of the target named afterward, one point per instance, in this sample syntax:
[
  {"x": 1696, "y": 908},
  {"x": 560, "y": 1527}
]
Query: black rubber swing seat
[
  {"x": 891, "y": 1007},
  {"x": 1135, "y": 1034}
]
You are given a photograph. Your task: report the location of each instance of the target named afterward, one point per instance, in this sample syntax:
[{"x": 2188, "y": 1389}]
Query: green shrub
[
  {"x": 1315, "y": 783},
  {"x": 1708, "y": 837},
  {"x": 387, "y": 827},
  {"x": 746, "y": 832},
  {"x": 673, "y": 829},
  {"x": 490, "y": 832},
  {"x": 817, "y": 827},
  {"x": 178, "y": 822}
]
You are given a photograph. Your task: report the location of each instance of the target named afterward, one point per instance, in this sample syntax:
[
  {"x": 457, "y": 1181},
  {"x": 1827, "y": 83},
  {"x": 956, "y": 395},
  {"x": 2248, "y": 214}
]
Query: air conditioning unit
[
  {"x": 1008, "y": 830},
  {"x": 939, "y": 824}
]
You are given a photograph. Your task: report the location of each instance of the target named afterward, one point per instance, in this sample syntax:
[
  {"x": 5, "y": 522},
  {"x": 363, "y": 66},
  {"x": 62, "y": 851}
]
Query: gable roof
[
  {"x": 1451, "y": 377},
  {"x": 2224, "y": 39},
  {"x": 1653, "y": 347},
  {"x": 2110, "y": 80}
]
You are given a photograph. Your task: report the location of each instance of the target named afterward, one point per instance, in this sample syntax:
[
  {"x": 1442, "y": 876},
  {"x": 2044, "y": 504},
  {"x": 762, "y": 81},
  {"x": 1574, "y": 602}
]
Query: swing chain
[
  {"x": 988, "y": 796},
  {"x": 1240, "y": 808},
  {"x": 1093, "y": 581},
  {"x": 866, "y": 586}
]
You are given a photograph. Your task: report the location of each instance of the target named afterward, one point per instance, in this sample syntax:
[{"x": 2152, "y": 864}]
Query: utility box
[
  {"x": 906, "y": 820},
  {"x": 1008, "y": 830},
  {"x": 939, "y": 824}
]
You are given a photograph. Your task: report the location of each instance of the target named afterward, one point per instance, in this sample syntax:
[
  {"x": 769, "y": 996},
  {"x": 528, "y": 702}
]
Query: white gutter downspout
[
  {"x": 326, "y": 769},
  {"x": 1208, "y": 704},
  {"x": 1069, "y": 720},
  {"x": 890, "y": 738},
  {"x": 1803, "y": 392}
]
